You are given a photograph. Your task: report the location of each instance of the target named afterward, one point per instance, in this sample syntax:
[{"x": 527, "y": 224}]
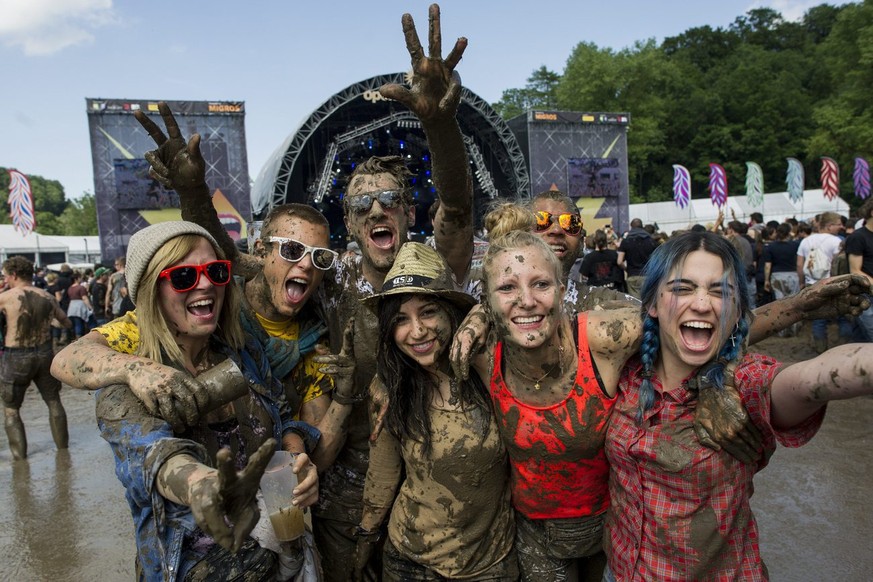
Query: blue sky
[{"x": 282, "y": 58}]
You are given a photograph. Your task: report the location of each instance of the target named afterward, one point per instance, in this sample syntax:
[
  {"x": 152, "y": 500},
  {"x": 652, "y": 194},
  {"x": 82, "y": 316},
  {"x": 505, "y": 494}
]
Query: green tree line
[
  {"x": 53, "y": 212},
  {"x": 761, "y": 90}
]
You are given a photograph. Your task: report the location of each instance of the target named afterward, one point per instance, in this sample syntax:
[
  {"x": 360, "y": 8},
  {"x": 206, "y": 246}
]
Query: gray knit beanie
[{"x": 145, "y": 243}]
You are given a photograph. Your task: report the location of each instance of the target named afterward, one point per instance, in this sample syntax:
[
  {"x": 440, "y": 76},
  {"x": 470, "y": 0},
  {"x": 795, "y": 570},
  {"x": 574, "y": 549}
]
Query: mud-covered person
[
  {"x": 192, "y": 511},
  {"x": 439, "y": 466},
  {"x": 27, "y": 353},
  {"x": 681, "y": 511}
]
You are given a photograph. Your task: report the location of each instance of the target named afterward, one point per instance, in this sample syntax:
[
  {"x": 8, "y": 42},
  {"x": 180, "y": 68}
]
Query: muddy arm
[
  {"x": 826, "y": 299},
  {"x": 90, "y": 364},
  {"x": 799, "y": 390},
  {"x": 434, "y": 98}
]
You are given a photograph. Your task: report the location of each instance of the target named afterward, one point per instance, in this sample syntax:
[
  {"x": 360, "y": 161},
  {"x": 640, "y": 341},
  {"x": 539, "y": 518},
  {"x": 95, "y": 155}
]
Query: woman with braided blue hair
[{"x": 681, "y": 511}]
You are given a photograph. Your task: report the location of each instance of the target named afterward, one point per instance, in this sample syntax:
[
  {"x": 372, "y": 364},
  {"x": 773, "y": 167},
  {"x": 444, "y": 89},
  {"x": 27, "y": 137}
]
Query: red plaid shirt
[{"x": 681, "y": 511}]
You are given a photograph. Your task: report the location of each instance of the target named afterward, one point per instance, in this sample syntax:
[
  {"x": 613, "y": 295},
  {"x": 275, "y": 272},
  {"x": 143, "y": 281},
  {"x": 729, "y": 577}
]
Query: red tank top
[{"x": 558, "y": 463}]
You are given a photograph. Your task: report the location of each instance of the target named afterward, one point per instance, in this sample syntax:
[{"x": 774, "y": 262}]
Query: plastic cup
[{"x": 277, "y": 483}]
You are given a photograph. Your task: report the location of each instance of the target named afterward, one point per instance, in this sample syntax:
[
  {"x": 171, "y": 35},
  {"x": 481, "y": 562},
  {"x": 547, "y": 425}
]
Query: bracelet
[
  {"x": 347, "y": 400},
  {"x": 367, "y": 535}
]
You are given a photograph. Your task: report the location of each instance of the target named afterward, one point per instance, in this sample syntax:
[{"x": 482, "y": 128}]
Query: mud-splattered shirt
[
  {"x": 452, "y": 513},
  {"x": 579, "y": 297},
  {"x": 680, "y": 511},
  {"x": 559, "y": 467}
]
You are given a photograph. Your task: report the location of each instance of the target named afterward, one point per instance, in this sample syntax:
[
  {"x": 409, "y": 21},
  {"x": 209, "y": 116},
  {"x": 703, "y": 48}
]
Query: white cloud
[
  {"x": 42, "y": 27},
  {"x": 793, "y": 10}
]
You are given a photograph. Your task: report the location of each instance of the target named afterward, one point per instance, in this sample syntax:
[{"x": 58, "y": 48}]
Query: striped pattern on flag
[{"x": 21, "y": 203}]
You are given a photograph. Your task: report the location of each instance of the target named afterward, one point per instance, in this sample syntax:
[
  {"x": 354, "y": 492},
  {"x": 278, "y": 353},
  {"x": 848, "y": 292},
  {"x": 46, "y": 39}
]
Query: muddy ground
[{"x": 63, "y": 515}]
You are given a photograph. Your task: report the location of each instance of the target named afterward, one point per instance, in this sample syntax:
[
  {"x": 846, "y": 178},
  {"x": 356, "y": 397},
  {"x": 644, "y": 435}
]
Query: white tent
[
  {"x": 44, "y": 249},
  {"x": 777, "y": 206}
]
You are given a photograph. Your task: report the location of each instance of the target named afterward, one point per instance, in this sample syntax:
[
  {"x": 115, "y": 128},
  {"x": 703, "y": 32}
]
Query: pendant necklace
[{"x": 536, "y": 382}]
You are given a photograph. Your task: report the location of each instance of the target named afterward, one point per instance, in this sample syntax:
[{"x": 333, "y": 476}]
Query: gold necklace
[{"x": 544, "y": 376}]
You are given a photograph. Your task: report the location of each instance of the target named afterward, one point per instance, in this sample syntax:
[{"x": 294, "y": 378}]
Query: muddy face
[
  {"x": 567, "y": 247},
  {"x": 285, "y": 286},
  {"x": 422, "y": 330},
  {"x": 192, "y": 315},
  {"x": 524, "y": 296},
  {"x": 379, "y": 231},
  {"x": 689, "y": 308}
]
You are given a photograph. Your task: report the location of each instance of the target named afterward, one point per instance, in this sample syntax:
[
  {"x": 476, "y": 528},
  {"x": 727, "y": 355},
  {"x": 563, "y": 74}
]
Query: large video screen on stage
[{"x": 128, "y": 199}]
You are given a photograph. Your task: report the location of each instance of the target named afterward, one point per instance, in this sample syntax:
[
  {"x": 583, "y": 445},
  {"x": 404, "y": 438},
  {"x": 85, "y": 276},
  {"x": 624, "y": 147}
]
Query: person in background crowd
[
  {"x": 813, "y": 263},
  {"x": 780, "y": 268},
  {"x": 600, "y": 267},
  {"x": 859, "y": 248},
  {"x": 79, "y": 309},
  {"x": 97, "y": 292},
  {"x": 114, "y": 298},
  {"x": 635, "y": 249},
  {"x": 27, "y": 354}
]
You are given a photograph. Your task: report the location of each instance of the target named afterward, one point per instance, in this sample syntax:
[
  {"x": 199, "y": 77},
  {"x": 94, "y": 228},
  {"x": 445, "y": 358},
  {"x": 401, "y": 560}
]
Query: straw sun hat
[{"x": 420, "y": 269}]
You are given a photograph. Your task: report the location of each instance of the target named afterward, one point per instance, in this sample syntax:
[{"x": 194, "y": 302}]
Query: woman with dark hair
[
  {"x": 780, "y": 268},
  {"x": 600, "y": 266},
  {"x": 681, "y": 511},
  {"x": 451, "y": 517}
]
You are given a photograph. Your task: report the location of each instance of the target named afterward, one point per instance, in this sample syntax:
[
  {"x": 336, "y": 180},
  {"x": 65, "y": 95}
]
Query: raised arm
[
  {"x": 180, "y": 166},
  {"x": 801, "y": 389},
  {"x": 434, "y": 98}
]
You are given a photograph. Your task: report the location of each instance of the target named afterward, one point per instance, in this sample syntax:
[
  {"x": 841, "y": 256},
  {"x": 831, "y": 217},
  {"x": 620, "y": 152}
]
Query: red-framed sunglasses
[
  {"x": 183, "y": 278},
  {"x": 569, "y": 221}
]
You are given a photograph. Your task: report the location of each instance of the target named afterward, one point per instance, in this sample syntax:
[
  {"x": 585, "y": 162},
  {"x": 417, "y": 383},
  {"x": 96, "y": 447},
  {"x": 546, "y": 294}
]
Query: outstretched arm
[
  {"x": 826, "y": 299},
  {"x": 222, "y": 500},
  {"x": 180, "y": 166},
  {"x": 90, "y": 364},
  {"x": 799, "y": 390},
  {"x": 434, "y": 98}
]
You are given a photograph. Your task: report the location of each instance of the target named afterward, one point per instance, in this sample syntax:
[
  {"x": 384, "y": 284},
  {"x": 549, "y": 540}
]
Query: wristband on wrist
[
  {"x": 347, "y": 400},
  {"x": 367, "y": 535}
]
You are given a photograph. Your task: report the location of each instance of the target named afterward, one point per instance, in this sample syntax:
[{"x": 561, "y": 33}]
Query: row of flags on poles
[
  {"x": 794, "y": 180},
  {"x": 21, "y": 203}
]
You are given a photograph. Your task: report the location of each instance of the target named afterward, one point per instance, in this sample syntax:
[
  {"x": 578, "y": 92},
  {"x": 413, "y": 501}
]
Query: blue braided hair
[{"x": 664, "y": 261}]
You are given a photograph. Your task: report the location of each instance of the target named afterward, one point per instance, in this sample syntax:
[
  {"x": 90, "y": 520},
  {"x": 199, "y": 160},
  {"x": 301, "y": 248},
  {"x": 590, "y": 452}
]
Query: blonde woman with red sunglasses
[{"x": 192, "y": 488}]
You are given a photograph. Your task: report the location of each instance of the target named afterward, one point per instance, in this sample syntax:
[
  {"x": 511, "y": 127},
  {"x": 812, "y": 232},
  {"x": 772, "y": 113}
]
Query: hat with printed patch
[
  {"x": 419, "y": 269},
  {"x": 145, "y": 243}
]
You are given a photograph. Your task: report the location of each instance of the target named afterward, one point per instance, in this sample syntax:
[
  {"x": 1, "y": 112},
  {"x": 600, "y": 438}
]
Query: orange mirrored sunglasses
[{"x": 570, "y": 222}]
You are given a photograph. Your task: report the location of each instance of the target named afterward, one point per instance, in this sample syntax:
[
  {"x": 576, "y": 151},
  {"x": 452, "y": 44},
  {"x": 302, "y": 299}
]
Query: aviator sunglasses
[
  {"x": 363, "y": 203},
  {"x": 183, "y": 278},
  {"x": 570, "y": 222},
  {"x": 293, "y": 251}
]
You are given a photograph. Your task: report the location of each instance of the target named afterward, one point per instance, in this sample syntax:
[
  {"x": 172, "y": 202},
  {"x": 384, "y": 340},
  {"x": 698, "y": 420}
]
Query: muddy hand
[
  {"x": 174, "y": 164},
  {"x": 378, "y": 408},
  {"x": 306, "y": 492},
  {"x": 224, "y": 504},
  {"x": 169, "y": 393},
  {"x": 835, "y": 296},
  {"x": 341, "y": 367},
  {"x": 721, "y": 422},
  {"x": 468, "y": 341},
  {"x": 436, "y": 87}
]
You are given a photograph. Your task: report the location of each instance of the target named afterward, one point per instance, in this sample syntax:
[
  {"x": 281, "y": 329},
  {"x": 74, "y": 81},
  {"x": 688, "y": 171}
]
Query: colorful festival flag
[
  {"x": 754, "y": 184},
  {"x": 21, "y": 203},
  {"x": 681, "y": 185},
  {"x": 862, "y": 178},
  {"x": 718, "y": 191},
  {"x": 830, "y": 178},
  {"x": 795, "y": 179}
]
